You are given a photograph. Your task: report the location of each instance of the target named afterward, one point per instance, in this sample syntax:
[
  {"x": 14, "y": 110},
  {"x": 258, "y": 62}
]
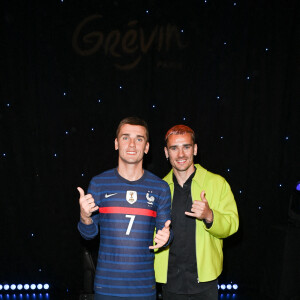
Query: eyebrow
[
  {"x": 139, "y": 136},
  {"x": 184, "y": 145}
]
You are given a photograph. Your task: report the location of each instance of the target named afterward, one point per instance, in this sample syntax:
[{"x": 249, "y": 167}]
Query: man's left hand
[
  {"x": 201, "y": 209},
  {"x": 162, "y": 236}
]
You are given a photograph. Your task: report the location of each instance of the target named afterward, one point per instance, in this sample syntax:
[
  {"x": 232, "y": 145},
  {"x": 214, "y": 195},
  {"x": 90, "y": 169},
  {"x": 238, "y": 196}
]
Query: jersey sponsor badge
[{"x": 131, "y": 196}]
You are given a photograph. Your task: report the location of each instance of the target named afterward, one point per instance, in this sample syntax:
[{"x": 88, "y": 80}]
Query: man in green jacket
[{"x": 204, "y": 212}]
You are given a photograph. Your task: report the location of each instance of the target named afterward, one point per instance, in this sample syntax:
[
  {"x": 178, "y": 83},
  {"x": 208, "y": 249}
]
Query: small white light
[
  {"x": 248, "y": 77},
  {"x": 153, "y": 106},
  {"x": 39, "y": 286},
  {"x": 4, "y": 154},
  {"x": 32, "y": 235},
  {"x": 183, "y": 119},
  {"x": 286, "y": 137},
  {"x": 82, "y": 174},
  {"x": 1, "y": 287},
  {"x": 222, "y": 137},
  {"x": 26, "y": 286},
  {"x": 280, "y": 185},
  {"x": 46, "y": 286},
  {"x": 6, "y": 287},
  {"x": 223, "y": 286},
  {"x": 19, "y": 287},
  {"x": 259, "y": 207},
  {"x": 33, "y": 286},
  {"x": 147, "y": 11},
  {"x": 240, "y": 191},
  {"x": 225, "y": 43},
  {"x": 267, "y": 49},
  {"x": 229, "y": 286},
  {"x": 55, "y": 154},
  {"x": 181, "y": 30},
  {"x": 92, "y": 129},
  {"x": 228, "y": 170},
  {"x": 234, "y": 4},
  {"x": 218, "y": 97},
  {"x": 8, "y": 105},
  {"x": 67, "y": 132},
  {"x": 235, "y": 286},
  {"x": 13, "y": 287},
  {"x": 121, "y": 87},
  {"x": 99, "y": 100},
  {"x": 65, "y": 93}
]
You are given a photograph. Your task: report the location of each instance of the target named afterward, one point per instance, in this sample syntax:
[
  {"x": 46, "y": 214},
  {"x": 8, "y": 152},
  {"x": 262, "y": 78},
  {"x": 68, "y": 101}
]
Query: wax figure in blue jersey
[
  {"x": 204, "y": 212},
  {"x": 125, "y": 205}
]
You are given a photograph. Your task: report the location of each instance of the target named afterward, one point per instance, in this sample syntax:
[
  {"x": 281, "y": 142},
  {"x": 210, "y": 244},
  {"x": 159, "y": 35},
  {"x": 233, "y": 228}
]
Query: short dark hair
[
  {"x": 180, "y": 129},
  {"x": 133, "y": 121}
]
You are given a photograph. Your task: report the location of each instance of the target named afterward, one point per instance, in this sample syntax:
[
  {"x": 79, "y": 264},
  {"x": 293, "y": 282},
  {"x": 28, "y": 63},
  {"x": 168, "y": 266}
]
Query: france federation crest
[
  {"x": 131, "y": 196},
  {"x": 150, "y": 199}
]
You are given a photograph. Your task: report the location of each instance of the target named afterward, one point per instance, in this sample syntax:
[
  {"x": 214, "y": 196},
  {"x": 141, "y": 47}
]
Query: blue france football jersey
[{"x": 129, "y": 212}]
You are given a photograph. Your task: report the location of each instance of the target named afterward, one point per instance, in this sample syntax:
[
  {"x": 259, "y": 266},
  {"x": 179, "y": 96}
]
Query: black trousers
[{"x": 208, "y": 294}]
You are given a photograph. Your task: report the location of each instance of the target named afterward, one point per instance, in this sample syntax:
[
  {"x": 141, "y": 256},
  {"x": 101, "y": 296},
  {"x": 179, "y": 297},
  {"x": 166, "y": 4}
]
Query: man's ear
[
  {"x": 195, "y": 149},
  {"x": 116, "y": 144},
  {"x": 166, "y": 152},
  {"x": 147, "y": 148}
]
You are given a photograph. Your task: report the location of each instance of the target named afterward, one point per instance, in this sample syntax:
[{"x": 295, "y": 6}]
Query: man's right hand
[{"x": 87, "y": 206}]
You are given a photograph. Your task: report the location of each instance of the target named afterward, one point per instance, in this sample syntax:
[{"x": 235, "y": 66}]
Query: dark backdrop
[{"x": 71, "y": 70}]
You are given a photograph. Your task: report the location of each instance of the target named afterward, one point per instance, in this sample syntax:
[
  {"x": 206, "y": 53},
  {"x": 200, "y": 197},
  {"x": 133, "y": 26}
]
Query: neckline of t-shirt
[{"x": 128, "y": 181}]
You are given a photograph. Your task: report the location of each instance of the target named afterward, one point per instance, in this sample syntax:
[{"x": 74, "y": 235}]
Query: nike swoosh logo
[{"x": 109, "y": 195}]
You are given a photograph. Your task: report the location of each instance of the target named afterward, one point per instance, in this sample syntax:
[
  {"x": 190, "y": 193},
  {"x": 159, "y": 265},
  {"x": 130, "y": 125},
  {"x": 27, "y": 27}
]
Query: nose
[
  {"x": 180, "y": 152},
  {"x": 132, "y": 143}
]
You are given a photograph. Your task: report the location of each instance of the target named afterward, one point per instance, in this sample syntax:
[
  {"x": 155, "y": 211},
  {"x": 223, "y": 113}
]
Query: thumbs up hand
[
  {"x": 87, "y": 206},
  {"x": 201, "y": 209},
  {"x": 162, "y": 236}
]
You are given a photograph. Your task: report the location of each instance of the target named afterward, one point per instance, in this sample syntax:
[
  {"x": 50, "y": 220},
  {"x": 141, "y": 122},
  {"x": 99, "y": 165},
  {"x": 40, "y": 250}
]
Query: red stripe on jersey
[{"x": 128, "y": 210}]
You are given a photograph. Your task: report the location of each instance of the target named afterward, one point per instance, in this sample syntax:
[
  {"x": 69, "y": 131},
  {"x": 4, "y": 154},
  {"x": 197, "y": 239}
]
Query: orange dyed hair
[{"x": 180, "y": 129}]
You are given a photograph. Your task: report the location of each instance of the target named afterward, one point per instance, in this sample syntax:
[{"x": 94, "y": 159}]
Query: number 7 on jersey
[{"x": 132, "y": 217}]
